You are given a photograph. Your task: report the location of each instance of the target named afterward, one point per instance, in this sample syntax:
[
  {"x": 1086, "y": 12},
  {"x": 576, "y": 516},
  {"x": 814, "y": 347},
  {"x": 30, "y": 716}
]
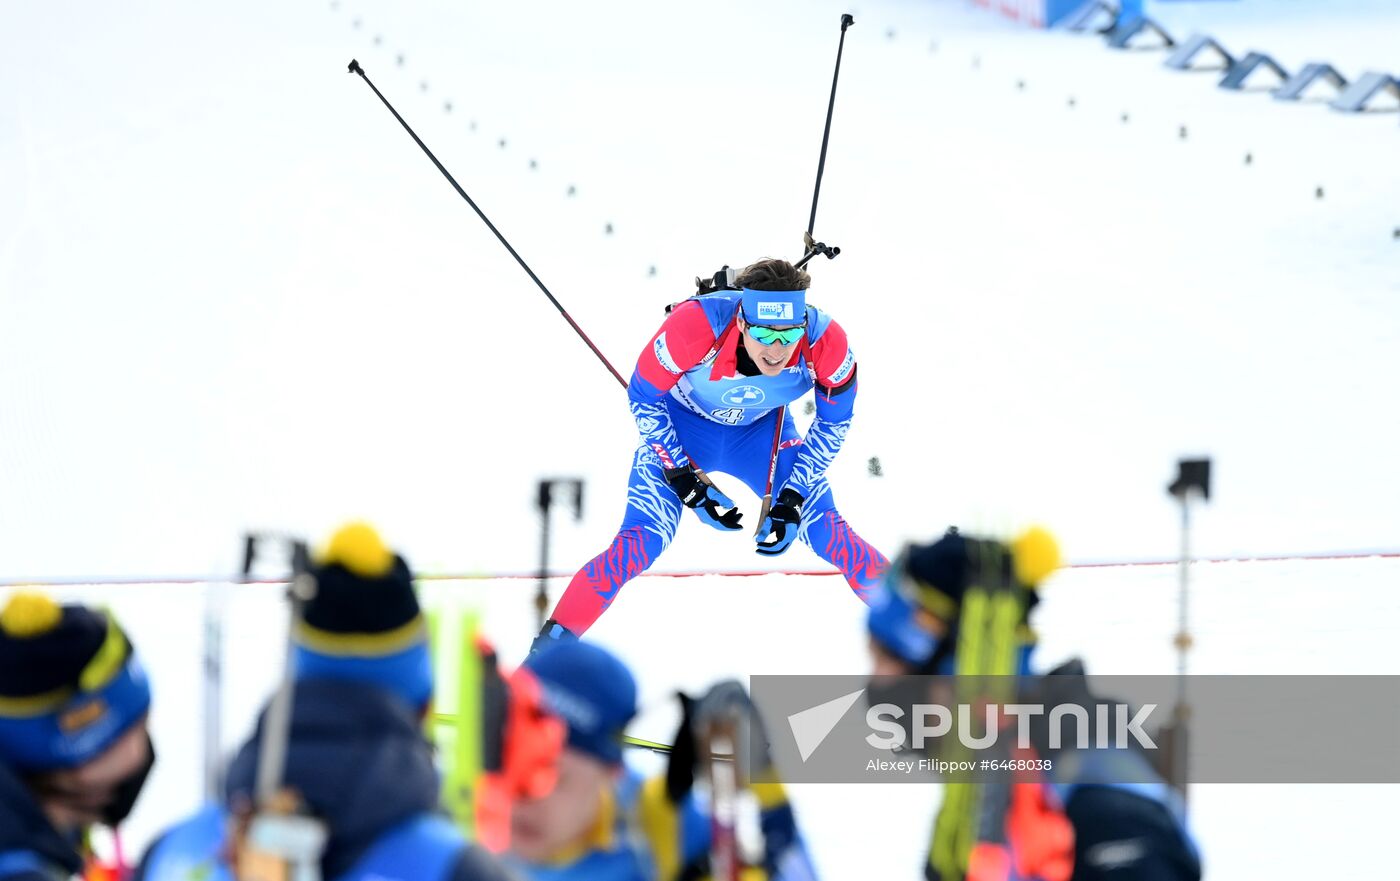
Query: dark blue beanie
[
  {"x": 70, "y": 683},
  {"x": 592, "y": 691}
]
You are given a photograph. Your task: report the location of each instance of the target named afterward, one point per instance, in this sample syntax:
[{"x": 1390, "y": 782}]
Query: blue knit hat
[
  {"x": 775, "y": 308},
  {"x": 364, "y": 622},
  {"x": 70, "y": 683},
  {"x": 592, "y": 691},
  {"x": 893, "y": 623},
  {"x": 920, "y": 596}
]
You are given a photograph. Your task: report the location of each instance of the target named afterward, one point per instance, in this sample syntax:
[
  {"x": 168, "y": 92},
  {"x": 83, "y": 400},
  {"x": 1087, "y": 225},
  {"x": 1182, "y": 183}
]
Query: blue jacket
[
  {"x": 357, "y": 756},
  {"x": 692, "y": 363},
  {"x": 30, "y": 847}
]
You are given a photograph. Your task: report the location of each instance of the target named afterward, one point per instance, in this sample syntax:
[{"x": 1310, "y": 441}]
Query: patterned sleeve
[
  {"x": 684, "y": 339},
  {"x": 834, "y": 365}
]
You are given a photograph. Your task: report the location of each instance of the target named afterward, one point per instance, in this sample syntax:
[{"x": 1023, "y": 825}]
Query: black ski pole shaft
[
  {"x": 545, "y": 502},
  {"x": 846, "y": 21},
  {"x": 355, "y": 68},
  {"x": 813, "y": 249}
]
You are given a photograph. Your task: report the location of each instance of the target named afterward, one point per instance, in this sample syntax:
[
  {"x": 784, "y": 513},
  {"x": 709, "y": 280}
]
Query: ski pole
[
  {"x": 273, "y": 832},
  {"x": 1192, "y": 482},
  {"x": 545, "y": 501},
  {"x": 772, "y": 470},
  {"x": 355, "y": 68},
  {"x": 813, "y": 249},
  {"x": 722, "y": 738},
  {"x": 272, "y": 749}
]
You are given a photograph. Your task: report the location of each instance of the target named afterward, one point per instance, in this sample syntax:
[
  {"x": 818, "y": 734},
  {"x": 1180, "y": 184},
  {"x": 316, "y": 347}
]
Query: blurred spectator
[
  {"x": 357, "y": 759},
  {"x": 74, "y": 747},
  {"x": 604, "y": 820},
  {"x": 1098, "y": 814}
]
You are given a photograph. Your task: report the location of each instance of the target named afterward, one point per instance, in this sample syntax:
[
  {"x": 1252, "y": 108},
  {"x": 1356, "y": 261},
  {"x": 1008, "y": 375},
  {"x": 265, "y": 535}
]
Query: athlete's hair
[{"x": 772, "y": 274}]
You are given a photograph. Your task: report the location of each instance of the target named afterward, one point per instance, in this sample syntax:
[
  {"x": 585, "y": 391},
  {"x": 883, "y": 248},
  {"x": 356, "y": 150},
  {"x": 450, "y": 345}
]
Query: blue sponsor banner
[
  {"x": 1048, "y": 13},
  {"x": 1041, "y": 13}
]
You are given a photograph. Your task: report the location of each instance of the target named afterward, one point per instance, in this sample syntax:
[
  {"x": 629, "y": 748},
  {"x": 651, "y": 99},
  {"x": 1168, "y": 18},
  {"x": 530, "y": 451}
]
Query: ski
[{"x": 970, "y": 839}]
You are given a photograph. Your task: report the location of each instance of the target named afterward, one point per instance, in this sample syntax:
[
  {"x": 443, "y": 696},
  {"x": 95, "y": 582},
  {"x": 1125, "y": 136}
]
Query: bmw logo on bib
[{"x": 743, "y": 396}]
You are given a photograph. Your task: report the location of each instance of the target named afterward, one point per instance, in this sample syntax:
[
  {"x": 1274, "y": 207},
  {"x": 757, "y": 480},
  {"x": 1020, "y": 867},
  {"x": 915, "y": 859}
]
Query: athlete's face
[
  {"x": 771, "y": 359},
  {"x": 543, "y": 828}
]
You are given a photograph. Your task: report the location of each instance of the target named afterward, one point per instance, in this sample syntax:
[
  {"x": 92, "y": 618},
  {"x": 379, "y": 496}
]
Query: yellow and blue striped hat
[
  {"x": 364, "y": 622},
  {"x": 70, "y": 683}
]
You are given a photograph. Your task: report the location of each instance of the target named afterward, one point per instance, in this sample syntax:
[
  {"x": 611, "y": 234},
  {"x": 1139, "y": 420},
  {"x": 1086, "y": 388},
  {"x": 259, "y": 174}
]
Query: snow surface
[{"x": 234, "y": 294}]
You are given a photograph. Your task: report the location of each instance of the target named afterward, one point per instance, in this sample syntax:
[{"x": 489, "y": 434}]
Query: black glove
[
  {"x": 782, "y": 521},
  {"x": 680, "y": 766},
  {"x": 704, "y": 499}
]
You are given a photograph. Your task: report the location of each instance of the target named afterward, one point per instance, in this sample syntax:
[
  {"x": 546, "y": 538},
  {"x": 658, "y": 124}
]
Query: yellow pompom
[
  {"x": 358, "y": 547},
  {"x": 1035, "y": 554},
  {"x": 30, "y": 614}
]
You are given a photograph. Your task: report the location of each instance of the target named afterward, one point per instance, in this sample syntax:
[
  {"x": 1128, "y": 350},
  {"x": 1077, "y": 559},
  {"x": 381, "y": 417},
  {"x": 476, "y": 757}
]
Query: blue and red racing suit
[{"x": 698, "y": 399}]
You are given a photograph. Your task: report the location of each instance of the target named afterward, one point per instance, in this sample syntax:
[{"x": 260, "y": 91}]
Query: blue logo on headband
[
  {"x": 774, "y": 311},
  {"x": 775, "y": 307}
]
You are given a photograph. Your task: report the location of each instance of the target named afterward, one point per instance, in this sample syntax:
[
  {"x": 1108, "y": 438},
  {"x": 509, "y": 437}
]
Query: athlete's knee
[
  {"x": 653, "y": 508},
  {"x": 653, "y": 542}
]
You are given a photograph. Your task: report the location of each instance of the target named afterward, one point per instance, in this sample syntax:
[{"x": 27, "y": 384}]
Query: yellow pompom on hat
[
  {"x": 1035, "y": 556},
  {"x": 358, "y": 547},
  {"x": 30, "y": 613}
]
